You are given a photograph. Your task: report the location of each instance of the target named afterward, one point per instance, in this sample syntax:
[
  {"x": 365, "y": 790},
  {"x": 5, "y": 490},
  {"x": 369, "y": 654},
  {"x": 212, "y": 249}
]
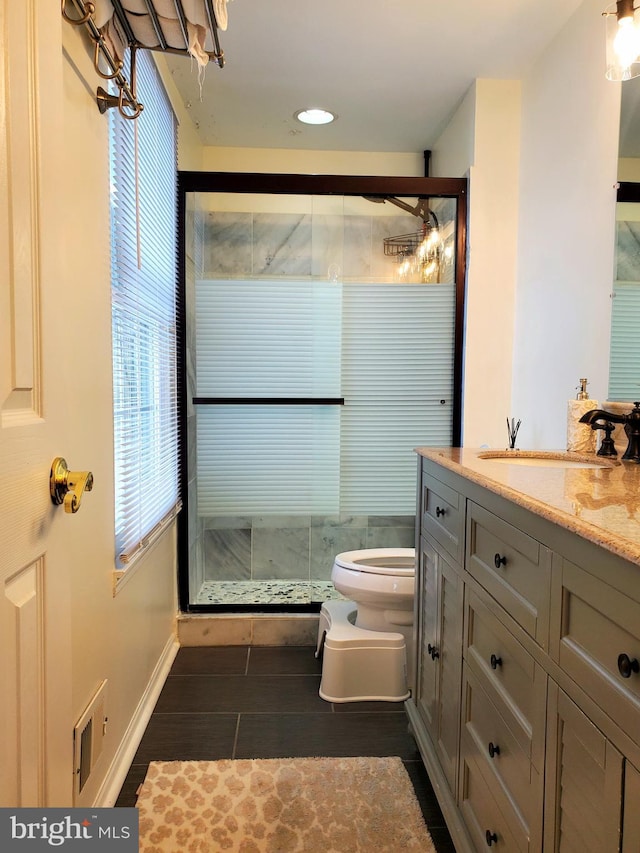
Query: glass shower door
[{"x": 316, "y": 363}]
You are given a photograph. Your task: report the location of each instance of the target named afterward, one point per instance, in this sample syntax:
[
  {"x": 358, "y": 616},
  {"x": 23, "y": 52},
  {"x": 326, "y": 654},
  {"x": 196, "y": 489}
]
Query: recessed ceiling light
[{"x": 315, "y": 116}]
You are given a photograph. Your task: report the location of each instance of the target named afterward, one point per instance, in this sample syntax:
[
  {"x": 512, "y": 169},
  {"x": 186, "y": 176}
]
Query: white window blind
[
  {"x": 387, "y": 349},
  {"x": 624, "y": 365},
  {"x": 143, "y": 270},
  {"x": 268, "y": 340}
]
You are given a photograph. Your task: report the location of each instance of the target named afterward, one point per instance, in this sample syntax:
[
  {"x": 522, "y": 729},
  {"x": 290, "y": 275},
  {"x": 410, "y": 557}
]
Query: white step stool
[{"x": 357, "y": 664}]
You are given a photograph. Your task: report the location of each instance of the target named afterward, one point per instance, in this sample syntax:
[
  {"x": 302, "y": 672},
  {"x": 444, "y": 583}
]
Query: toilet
[{"x": 366, "y": 642}]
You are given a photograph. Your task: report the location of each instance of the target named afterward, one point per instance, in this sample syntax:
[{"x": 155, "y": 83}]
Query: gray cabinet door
[
  {"x": 583, "y": 795},
  {"x": 428, "y": 636},
  {"x": 631, "y": 821},
  {"x": 439, "y": 681}
]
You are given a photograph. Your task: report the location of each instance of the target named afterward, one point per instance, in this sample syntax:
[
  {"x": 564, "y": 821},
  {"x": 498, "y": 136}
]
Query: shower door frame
[{"x": 312, "y": 185}]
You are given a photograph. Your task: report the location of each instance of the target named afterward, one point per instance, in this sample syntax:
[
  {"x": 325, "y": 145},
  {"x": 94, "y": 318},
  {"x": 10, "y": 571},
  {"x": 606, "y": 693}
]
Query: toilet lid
[{"x": 396, "y": 562}]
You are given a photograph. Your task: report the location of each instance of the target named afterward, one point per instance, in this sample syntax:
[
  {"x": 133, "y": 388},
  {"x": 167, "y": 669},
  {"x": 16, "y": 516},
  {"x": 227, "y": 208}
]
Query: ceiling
[{"x": 394, "y": 71}]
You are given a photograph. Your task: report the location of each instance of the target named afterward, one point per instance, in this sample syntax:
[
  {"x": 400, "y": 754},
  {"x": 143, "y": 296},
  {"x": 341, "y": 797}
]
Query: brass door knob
[{"x": 68, "y": 486}]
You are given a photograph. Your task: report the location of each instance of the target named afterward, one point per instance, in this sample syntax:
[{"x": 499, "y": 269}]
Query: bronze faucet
[{"x": 631, "y": 423}]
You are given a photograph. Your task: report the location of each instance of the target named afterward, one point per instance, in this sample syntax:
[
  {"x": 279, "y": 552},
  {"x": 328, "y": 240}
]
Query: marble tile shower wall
[
  {"x": 238, "y": 245},
  {"x": 300, "y": 245},
  {"x": 294, "y": 547}
]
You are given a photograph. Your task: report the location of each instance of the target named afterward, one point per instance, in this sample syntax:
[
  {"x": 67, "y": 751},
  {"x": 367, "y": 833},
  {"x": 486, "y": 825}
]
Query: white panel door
[{"x": 36, "y": 539}]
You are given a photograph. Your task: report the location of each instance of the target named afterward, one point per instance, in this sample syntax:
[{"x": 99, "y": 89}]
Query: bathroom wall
[
  {"x": 291, "y": 161},
  {"x": 629, "y": 169},
  {"x": 568, "y": 175},
  {"x": 482, "y": 142},
  {"x": 542, "y": 169}
]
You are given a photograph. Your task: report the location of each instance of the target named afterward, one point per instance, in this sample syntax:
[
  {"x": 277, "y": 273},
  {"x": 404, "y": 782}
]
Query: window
[{"x": 143, "y": 273}]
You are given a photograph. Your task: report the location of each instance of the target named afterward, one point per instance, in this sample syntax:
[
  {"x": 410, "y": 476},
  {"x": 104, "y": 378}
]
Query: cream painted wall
[
  {"x": 120, "y": 637},
  {"x": 492, "y": 241},
  {"x": 275, "y": 160},
  {"x": 454, "y": 152},
  {"x": 482, "y": 141},
  {"x": 629, "y": 169},
  {"x": 542, "y": 168},
  {"x": 567, "y": 215}
]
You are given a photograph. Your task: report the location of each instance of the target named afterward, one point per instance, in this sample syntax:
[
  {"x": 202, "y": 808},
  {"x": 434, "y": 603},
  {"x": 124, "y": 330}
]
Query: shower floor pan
[{"x": 266, "y": 592}]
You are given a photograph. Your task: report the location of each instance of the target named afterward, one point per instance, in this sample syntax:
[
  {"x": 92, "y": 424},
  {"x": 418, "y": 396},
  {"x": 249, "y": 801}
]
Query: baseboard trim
[{"x": 117, "y": 773}]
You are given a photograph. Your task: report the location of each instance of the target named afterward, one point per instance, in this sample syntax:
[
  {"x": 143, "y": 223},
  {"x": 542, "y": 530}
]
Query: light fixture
[
  {"x": 623, "y": 41},
  {"x": 315, "y": 116}
]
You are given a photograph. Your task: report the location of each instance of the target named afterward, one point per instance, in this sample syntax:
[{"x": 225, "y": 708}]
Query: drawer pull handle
[
  {"x": 494, "y": 749},
  {"x": 495, "y": 661},
  {"x": 491, "y": 837},
  {"x": 433, "y": 651},
  {"x": 499, "y": 561},
  {"x": 626, "y": 666},
  {"x": 440, "y": 511}
]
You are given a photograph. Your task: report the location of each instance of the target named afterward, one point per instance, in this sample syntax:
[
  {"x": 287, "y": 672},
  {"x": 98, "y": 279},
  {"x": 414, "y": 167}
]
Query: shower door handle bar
[{"x": 268, "y": 401}]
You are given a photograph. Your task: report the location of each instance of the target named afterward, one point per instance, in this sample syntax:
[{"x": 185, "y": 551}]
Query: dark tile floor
[{"x": 258, "y": 702}]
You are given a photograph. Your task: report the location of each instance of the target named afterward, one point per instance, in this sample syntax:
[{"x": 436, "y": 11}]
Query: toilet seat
[{"x": 394, "y": 562}]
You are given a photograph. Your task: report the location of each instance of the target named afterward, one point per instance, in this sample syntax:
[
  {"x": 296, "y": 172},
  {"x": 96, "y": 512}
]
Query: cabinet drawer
[
  {"x": 442, "y": 512},
  {"x": 514, "y": 568},
  {"x": 487, "y": 737},
  {"x": 598, "y": 639},
  {"x": 489, "y": 816},
  {"x": 515, "y": 683}
]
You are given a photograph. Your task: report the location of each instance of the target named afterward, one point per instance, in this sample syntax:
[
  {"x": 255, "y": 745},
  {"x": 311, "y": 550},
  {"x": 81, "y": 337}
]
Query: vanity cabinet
[
  {"x": 584, "y": 782},
  {"x": 442, "y": 514},
  {"x": 631, "y": 812},
  {"x": 513, "y": 567},
  {"x": 596, "y": 639},
  {"x": 526, "y": 699},
  {"x": 437, "y": 693}
]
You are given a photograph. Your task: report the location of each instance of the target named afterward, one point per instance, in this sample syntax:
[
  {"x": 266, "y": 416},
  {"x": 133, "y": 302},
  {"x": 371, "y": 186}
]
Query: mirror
[{"x": 624, "y": 370}]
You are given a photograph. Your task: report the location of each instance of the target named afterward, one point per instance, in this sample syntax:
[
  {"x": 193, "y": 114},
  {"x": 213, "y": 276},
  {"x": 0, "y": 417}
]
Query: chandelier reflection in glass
[{"x": 422, "y": 256}]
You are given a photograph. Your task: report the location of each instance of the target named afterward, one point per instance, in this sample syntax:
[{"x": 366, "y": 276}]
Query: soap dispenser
[{"x": 580, "y": 437}]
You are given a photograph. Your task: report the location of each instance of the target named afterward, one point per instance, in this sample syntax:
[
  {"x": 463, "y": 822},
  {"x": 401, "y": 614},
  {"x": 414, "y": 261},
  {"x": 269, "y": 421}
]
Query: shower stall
[{"x": 321, "y": 343}]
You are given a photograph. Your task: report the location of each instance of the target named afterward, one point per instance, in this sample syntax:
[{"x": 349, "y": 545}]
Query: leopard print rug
[{"x": 281, "y": 805}]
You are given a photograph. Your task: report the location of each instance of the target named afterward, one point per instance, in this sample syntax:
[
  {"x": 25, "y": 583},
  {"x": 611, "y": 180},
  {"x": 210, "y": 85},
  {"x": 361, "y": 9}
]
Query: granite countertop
[{"x": 600, "y": 504}]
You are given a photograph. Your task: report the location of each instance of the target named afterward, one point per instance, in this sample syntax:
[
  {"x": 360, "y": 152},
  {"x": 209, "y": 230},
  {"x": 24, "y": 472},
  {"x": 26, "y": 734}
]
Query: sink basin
[{"x": 545, "y": 459}]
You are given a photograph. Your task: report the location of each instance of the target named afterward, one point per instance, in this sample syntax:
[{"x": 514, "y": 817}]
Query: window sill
[{"x": 123, "y": 575}]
